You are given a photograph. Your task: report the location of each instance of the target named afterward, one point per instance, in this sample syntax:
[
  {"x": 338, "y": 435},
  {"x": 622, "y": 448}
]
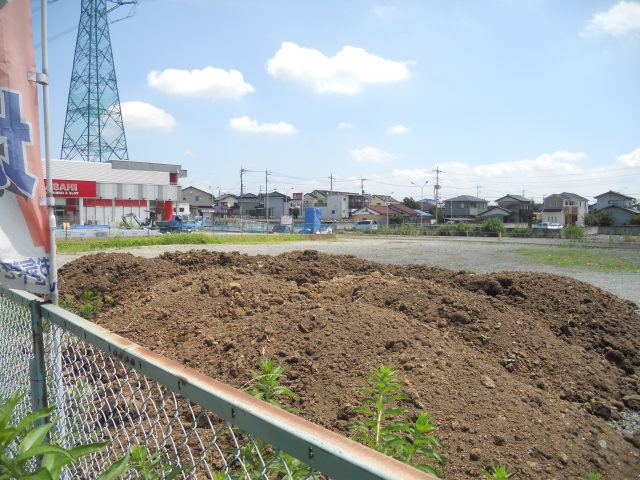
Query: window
[
  {"x": 333, "y": 212},
  {"x": 461, "y": 205},
  {"x": 197, "y": 198}
]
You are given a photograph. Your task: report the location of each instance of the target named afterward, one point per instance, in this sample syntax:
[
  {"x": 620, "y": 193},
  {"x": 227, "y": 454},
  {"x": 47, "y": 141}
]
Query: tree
[
  {"x": 635, "y": 220},
  {"x": 440, "y": 218},
  {"x": 493, "y": 225},
  {"x": 411, "y": 203},
  {"x": 296, "y": 212},
  {"x": 395, "y": 219}
]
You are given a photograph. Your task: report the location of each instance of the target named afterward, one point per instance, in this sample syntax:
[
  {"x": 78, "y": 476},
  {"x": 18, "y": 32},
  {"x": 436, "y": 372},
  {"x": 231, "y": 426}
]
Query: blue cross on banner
[{"x": 14, "y": 134}]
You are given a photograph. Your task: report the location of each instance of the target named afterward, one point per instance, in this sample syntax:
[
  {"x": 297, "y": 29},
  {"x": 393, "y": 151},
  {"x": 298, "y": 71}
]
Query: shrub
[
  {"x": 635, "y": 220},
  {"x": 574, "y": 232},
  {"x": 464, "y": 228},
  {"x": 492, "y": 225},
  {"x": 445, "y": 230}
]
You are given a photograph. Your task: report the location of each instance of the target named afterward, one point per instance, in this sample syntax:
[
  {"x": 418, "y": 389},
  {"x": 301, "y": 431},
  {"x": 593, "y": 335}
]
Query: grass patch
[
  {"x": 579, "y": 258},
  {"x": 81, "y": 245}
]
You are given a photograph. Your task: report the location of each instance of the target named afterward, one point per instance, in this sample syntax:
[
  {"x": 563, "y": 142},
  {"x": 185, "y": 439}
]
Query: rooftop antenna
[{"x": 93, "y": 128}]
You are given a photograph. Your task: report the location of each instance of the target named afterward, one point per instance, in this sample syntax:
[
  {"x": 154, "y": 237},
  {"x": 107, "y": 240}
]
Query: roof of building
[
  {"x": 630, "y": 210},
  {"x": 196, "y": 188},
  {"x": 495, "y": 210},
  {"x": 386, "y": 198},
  {"x": 465, "y": 198},
  {"x": 611, "y": 192},
  {"x": 519, "y": 198},
  {"x": 403, "y": 208}
]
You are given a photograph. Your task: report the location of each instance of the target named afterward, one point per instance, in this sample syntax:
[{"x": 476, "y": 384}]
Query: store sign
[
  {"x": 74, "y": 189},
  {"x": 296, "y": 196}
]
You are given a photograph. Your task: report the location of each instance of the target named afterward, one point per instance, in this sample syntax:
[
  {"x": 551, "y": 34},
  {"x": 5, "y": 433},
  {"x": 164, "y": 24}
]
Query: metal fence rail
[{"x": 108, "y": 388}]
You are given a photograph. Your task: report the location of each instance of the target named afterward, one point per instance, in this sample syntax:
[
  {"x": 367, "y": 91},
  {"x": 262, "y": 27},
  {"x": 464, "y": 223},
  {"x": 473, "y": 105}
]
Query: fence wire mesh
[
  {"x": 106, "y": 388},
  {"x": 103, "y": 399}
]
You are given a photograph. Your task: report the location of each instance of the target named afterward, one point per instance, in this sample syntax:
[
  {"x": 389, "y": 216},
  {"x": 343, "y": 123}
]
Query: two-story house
[
  {"x": 197, "y": 200},
  {"x": 564, "y": 208},
  {"x": 464, "y": 207},
  {"x": 335, "y": 205},
  {"x": 619, "y": 206},
  {"x": 520, "y": 208}
]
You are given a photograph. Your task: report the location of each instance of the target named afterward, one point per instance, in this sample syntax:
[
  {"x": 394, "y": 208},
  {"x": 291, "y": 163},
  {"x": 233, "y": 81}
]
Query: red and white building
[{"x": 92, "y": 193}]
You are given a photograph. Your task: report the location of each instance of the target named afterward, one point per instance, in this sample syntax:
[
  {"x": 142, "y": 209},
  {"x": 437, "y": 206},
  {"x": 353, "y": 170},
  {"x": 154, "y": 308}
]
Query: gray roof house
[
  {"x": 619, "y": 206},
  {"x": 520, "y": 208},
  {"x": 196, "y": 199},
  {"x": 464, "y": 207}
]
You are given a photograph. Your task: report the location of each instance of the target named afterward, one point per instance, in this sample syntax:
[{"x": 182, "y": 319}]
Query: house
[
  {"x": 619, "y": 206},
  {"x": 278, "y": 204},
  {"x": 520, "y": 208},
  {"x": 495, "y": 211},
  {"x": 611, "y": 198},
  {"x": 335, "y": 205},
  {"x": 196, "y": 199},
  {"x": 383, "y": 214},
  {"x": 464, "y": 207},
  {"x": 564, "y": 208},
  {"x": 382, "y": 200}
]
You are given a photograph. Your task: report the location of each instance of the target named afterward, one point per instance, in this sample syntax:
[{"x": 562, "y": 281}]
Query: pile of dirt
[{"x": 518, "y": 369}]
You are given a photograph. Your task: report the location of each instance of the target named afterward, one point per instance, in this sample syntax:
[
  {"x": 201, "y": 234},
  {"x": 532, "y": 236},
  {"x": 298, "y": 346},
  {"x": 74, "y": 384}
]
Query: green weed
[
  {"x": 380, "y": 429},
  {"x": 91, "y": 306},
  {"x": 593, "y": 476},
  {"x": 257, "y": 457},
  {"x": 599, "y": 261},
  {"x": 498, "y": 473}
]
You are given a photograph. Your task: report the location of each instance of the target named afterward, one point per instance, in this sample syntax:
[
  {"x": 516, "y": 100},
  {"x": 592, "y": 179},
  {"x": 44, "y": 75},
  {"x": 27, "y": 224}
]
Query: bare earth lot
[{"x": 516, "y": 368}]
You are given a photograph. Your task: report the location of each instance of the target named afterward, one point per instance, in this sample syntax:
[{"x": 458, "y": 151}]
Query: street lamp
[{"x": 421, "y": 198}]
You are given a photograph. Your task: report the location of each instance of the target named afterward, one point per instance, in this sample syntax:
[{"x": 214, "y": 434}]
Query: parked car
[
  {"x": 548, "y": 226},
  {"x": 366, "y": 225}
]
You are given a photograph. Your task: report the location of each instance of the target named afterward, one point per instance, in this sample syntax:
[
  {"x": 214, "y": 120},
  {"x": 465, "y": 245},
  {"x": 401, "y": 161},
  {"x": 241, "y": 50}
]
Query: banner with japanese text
[{"x": 24, "y": 230}]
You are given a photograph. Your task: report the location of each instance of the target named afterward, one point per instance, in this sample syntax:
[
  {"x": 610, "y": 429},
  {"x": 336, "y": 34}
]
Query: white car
[
  {"x": 366, "y": 225},
  {"x": 548, "y": 226}
]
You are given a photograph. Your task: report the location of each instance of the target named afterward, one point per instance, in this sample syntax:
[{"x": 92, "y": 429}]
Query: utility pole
[
  {"x": 266, "y": 192},
  {"x": 331, "y": 184},
  {"x": 436, "y": 189},
  {"x": 421, "y": 197},
  {"x": 478, "y": 190},
  {"x": 242, "y": 170},
  {"x": 362, "y": 180}
]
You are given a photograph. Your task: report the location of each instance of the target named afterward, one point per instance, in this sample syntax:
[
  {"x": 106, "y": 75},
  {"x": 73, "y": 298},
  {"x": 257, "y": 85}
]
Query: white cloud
[
  {"x": 371, "y": 155},
  {"x": 630, "y": 159},
  {"x": 382, "y": 10},
  {"x": 619, "y": 20},
  {"x": 211, "y": 83},
  {"x": 346, "y": 125},
  {"x": 346, "y": 73},
  {"x": 143, "y": 115},
  {"x": 559, "y": 162},
  {"x": 397, "y": 130},
  {"x": 188, "y": 152},
  {"x": 245, "y": 124}
]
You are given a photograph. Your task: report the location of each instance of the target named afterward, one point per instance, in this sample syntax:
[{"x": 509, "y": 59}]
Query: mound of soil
[{"x": 518, "y": 369}]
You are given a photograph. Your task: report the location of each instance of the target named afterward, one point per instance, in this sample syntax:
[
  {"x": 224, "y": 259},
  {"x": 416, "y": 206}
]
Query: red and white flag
[{"x": 24, "y": 231}]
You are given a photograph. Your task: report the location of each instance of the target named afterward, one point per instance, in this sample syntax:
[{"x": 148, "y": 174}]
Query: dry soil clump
[{"x": 518, "y": 369}]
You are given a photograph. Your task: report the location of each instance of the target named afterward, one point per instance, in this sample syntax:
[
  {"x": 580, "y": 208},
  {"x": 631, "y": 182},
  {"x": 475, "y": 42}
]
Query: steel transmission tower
[{"x": 93, "y": 129}]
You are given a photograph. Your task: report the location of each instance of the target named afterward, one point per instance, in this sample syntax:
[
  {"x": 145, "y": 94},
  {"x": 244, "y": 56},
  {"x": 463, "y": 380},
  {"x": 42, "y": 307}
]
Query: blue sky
[{"x": 504, "y": 96}]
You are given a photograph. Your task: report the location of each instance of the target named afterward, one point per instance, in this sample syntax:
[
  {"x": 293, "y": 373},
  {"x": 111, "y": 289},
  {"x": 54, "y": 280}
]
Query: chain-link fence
[{"x": 107, "y": 388}]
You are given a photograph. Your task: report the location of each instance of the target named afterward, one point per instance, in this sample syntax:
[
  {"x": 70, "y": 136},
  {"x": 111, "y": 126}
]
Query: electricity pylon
[{"x": 93, "y": 128}]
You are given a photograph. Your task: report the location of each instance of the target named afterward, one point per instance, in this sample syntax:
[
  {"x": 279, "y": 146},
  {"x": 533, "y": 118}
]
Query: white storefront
[{"x": 91, "y": 193}]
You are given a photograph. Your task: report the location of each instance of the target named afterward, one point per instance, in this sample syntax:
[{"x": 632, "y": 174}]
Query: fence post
[{"x": 37, "y": 370}]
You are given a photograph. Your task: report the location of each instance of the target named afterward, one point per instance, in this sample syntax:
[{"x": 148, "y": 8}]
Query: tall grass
[{"x": 73, "y": 246}]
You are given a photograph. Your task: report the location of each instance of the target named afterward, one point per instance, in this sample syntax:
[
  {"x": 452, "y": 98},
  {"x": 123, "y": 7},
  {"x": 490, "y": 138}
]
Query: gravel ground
[{"x": 478, "y": 254}]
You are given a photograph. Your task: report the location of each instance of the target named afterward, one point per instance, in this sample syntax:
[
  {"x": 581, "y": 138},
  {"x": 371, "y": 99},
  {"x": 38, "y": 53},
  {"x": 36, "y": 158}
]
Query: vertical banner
[{"x": 24, "y": 231}]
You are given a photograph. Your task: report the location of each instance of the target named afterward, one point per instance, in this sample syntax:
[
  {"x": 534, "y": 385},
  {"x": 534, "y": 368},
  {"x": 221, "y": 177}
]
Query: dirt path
[{"x": 521, "y": 369}]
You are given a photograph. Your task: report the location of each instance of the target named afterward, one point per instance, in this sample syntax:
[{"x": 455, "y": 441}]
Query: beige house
[{"x": 565, "y": 208}]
